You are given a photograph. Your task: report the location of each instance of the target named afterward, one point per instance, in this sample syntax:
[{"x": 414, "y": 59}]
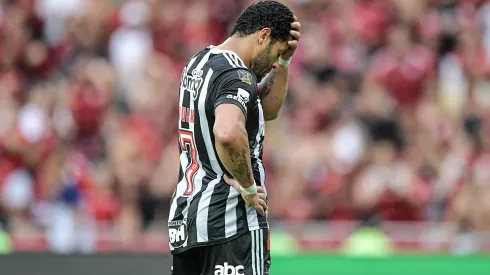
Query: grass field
[{"x": 308, "y": 264}]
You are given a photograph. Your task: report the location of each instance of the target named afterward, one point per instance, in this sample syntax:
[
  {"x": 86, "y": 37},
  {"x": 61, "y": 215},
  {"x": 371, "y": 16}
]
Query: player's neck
[{"x": 240, "y": 46}]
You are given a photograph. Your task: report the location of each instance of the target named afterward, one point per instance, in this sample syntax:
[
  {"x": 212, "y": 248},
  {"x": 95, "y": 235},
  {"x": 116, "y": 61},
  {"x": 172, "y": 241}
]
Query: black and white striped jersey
[{"x": 204, "y": 209}]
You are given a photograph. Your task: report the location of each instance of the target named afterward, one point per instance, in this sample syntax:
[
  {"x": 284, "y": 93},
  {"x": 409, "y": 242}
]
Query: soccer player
[{"x": 217, "y": 221}]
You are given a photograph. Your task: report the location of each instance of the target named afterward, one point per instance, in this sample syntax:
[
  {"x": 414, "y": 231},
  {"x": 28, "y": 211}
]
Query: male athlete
[{"x": 218, "y": 225}]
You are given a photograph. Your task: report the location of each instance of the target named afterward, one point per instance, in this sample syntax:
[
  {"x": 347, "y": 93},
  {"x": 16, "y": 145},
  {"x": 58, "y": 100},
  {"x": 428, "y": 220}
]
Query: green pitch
[{"x": 303, "y": 264}]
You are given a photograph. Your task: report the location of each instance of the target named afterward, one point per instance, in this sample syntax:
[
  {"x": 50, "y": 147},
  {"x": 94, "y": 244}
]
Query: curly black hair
[{"x": 265, "y": 14}]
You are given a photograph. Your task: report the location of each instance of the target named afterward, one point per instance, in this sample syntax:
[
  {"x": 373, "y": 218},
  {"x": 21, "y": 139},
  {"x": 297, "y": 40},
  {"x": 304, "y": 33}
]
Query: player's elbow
[
  {"x": 227, "y": 135},
  {"x": 271, "y": 110},
  {"x": 268, "y": 116}
]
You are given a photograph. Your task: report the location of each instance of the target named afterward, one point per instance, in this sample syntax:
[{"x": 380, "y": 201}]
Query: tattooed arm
[
  {"x": 231, "y": 143},
  {"x": 273, "y": 90},
  {"x": 274, "y": 86},
  {"x": 232, "y": 146}
]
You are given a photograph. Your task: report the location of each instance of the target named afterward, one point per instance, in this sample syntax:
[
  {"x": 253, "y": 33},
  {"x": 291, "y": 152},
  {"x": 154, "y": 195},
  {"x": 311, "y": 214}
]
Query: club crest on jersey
[
  {"x": 242, "y": 96},
  {"x": 192, "y": 83},
  {"x": 245, "y": 76},
  {"x": 177, "y": 233}
]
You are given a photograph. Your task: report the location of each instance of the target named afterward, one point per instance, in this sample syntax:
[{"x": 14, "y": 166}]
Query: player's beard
[{"x": 262, "y": 63}]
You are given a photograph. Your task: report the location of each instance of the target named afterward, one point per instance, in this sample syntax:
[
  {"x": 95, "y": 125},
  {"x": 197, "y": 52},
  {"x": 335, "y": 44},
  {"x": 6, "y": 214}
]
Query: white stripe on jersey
[
  {"x": 205, "y": 127},
  {"x": 261, "y": 251},
  {"x": 252, "y": 219},
  {"x": 230, "y": 214},
  {"x": 257, "y": 251},
  {"x": 260, "y": 134},
  {"x": 203, "y": 211},
  {"x": 253, "y": 222}
]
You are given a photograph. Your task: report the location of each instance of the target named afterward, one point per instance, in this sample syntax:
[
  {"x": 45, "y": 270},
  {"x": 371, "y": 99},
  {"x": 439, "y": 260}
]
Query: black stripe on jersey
[
  {"x": 185, "y": 103},
  {"x": 262, "y": 221},
  {"x": 192, "y": 214},
  {"x": 198, "y": 136},
  {"x": 217, "y": 206},
  {"x": 181, "y": 205},
  {"x": 241, "y": 216}
]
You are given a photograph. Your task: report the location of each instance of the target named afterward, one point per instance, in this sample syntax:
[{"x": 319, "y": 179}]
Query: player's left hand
[
  {"x": 294, "y": 42},
  {"x": 261, "y": 205}
]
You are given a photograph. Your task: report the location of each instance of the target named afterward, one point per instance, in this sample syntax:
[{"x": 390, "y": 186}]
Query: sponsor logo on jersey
[
  {"x": 227, "y": 269},
  {"x": 177, "y": 233},
  {"x": 245, "y": 76},
  {"x": 242, "y": 96},
  {"x": 192, "y": 83}
]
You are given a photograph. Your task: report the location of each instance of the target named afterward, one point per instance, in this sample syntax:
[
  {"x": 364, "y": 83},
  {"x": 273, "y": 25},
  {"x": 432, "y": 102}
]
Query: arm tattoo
[
  {"x": 266, "y": 85},
  {"x": 241, "y": 169}
]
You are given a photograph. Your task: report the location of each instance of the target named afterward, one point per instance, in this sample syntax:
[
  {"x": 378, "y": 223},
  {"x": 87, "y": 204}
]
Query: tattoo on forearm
[
  {"x": 241, "y": 170},
  {"x": 267, "y": 86}
]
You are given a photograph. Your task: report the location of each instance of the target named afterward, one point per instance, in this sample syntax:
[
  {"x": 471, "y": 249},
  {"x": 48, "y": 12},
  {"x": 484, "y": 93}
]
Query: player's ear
[{"x": 264, "y": 36}]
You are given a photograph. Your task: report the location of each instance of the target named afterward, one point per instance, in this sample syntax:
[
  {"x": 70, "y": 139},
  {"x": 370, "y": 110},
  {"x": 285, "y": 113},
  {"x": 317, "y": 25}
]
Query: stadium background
[{"x": 382, "y": 148}]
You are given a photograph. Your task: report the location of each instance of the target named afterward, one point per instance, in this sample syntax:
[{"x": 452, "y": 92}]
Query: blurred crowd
[{"x": 387, "y": 116}]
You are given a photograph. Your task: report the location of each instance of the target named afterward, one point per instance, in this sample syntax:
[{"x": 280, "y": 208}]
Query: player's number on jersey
[{"x": 188, "y": 145}]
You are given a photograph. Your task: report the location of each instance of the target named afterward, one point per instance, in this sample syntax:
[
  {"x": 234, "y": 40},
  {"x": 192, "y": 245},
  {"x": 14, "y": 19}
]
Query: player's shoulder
[
  {"x": 228, "y": 65},
  {"x": 236, "y": 79},
  {"x": 225, "y": 59},
  {"x": 237, "y": 75}
]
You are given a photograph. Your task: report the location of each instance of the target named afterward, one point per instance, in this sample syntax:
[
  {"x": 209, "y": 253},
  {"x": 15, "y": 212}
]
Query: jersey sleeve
[{"x": 237, "y": 87}]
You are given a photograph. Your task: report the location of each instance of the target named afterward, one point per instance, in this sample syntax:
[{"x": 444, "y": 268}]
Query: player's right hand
[
  {"x": 257, "y": 200},
  {"x": 294, "y": 42}
]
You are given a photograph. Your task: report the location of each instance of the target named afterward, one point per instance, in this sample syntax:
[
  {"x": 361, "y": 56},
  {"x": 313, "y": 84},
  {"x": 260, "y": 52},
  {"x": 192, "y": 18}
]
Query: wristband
[
  {"x": 249, "y": 190},
  {"x": 283, "y": 62}
]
